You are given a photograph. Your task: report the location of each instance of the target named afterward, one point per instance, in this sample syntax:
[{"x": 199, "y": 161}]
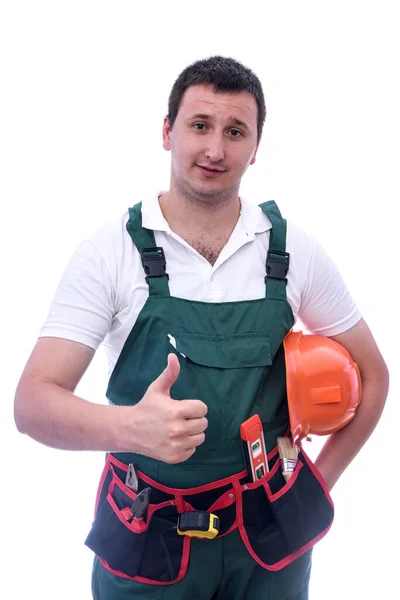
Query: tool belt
[{"x": 278, "y": 521}]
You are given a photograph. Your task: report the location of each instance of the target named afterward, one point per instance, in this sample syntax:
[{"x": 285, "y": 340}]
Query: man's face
[{"x": 212, "y": 142}]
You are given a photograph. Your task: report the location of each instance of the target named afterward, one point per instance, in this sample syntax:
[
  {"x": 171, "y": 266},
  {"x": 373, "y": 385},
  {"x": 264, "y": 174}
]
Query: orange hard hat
[{"x": 323, "y": 384}]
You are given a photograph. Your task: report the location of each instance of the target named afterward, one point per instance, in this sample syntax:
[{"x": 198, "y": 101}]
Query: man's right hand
[{"x": 166, "y": 429}]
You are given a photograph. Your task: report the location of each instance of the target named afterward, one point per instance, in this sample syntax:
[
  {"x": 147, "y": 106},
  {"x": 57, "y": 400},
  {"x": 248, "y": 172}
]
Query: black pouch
[
  {"x": 149, "y": 549},
  {"x": 114, "y": 539},
  {"x": 282, "y": 520}
]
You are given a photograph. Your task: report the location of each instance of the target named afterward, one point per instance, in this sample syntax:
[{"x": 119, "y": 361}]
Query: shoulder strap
[
  {"x": 277, "y": 264},
  {"x": 153, "y": 259},
  {"x": 141, "y": 237},
  {"x": 277, "y": 240}
]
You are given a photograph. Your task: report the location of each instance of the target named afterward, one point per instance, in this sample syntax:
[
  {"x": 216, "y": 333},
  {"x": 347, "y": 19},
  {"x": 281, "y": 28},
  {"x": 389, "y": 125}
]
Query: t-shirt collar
[{"x": 252, "y": 217}]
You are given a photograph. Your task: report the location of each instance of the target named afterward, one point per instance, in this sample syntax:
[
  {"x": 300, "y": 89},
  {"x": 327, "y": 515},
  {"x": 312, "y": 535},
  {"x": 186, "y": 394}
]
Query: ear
[
  {"x": 166, "y": 134},
  {"x": 253, "y": 160}
]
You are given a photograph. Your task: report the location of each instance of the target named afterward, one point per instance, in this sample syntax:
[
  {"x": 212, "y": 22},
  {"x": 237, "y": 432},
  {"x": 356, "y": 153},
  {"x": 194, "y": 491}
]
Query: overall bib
[{"x": 231, "y": 357}]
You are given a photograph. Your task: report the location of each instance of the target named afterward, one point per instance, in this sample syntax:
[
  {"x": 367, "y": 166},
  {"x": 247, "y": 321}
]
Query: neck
[{"x": 188, "y": 215}]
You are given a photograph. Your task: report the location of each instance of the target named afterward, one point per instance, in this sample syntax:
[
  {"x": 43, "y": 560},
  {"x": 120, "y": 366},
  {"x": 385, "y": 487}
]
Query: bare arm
[
  {"x": 342, "y": 446},
  {"x": 47, "y": 409}
]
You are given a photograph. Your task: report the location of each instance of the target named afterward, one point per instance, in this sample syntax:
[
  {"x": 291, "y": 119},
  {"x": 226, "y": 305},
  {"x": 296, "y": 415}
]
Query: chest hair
[{"x": 208, "y": 246}]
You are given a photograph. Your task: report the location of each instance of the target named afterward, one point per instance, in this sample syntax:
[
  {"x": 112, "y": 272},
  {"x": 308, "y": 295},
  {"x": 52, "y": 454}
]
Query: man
[{"x": 180, "y": 280}]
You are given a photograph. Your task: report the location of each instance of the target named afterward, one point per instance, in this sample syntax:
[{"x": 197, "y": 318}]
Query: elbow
[
  {"x": 375, "y": 387},
  {"x": 19, "y": 412},
  {"x": 385, "y": 383},
  {"x": 22, "y": 408},
  {"x": 385, "y": 377}
]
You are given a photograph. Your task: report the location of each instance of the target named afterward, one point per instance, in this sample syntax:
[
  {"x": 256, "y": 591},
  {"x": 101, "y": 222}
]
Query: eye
[
  {"x": 199, "y": 126},
  {"x": 235, "y": 133}
]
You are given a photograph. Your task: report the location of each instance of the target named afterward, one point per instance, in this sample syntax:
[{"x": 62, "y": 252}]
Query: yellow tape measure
[{"x": 198, "y": 523}]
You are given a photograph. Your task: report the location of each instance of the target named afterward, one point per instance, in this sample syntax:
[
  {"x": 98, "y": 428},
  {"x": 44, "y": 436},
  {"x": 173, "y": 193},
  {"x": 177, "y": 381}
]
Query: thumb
[{"x": 165, "y": 381}]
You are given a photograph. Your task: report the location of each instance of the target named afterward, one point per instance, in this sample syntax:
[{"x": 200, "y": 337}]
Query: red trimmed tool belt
[{"x": 277, "y": 520}]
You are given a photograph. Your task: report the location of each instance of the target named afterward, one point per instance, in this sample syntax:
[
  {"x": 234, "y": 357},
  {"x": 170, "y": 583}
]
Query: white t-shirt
[{"x": 103, "y": 288}]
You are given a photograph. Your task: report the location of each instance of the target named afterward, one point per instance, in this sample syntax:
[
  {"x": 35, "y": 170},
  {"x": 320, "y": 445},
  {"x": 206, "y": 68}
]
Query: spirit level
[{"x": 253, "y": 438}]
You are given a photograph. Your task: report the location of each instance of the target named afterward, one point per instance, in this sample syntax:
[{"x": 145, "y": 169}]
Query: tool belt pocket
[
  {"x": 282, "y": 520},
  {"x": 147, "y": 550}
]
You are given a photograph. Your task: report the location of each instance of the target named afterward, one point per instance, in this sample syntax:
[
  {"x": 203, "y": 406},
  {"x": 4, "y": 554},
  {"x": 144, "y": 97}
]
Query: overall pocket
[
  {"x": 225, "y": 352},
  {"x": 282, "y": 520}
]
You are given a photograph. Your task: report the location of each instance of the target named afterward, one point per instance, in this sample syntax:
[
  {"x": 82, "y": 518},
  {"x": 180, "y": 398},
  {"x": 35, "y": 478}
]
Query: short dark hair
[{"x": 222, "y": 75}]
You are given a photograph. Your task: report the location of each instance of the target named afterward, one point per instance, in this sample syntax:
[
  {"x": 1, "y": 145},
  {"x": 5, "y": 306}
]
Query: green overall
[{"x": 231, "y": 358}]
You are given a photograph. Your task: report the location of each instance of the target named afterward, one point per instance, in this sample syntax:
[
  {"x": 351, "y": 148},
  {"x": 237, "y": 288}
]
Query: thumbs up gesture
[{"x": 166, "y": 429}]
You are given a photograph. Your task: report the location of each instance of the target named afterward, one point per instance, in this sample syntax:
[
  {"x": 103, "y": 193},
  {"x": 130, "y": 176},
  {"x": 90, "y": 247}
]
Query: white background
[{"x": 84, "y": 88}]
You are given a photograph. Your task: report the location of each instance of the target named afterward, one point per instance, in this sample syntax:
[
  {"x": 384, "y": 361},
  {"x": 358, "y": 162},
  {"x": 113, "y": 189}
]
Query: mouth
[{"x": 210, "y": 172}]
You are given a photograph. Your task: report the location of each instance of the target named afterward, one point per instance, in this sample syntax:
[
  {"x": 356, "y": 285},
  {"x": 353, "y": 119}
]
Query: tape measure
[{"x": 198, "y": 523}]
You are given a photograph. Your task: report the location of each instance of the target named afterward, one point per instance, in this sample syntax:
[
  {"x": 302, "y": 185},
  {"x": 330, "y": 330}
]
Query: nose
[{"x": 215, "y": 150}]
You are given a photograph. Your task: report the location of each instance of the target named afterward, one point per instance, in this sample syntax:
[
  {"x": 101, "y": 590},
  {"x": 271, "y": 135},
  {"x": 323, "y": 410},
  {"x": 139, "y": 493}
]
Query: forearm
[
  {"x": 342, "y": 447},
  {"x": 60, "y": 419}
]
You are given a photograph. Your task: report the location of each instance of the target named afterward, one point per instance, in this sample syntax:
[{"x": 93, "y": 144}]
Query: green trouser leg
[
  {"x": 200, "y": 582},
  {"x": 220, "y": 569},
  {"x": 244, "y": 579}
]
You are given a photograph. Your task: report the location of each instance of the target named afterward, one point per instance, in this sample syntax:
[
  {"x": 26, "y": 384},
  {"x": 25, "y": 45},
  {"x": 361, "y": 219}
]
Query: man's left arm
[{"x": 341, "y": 447}]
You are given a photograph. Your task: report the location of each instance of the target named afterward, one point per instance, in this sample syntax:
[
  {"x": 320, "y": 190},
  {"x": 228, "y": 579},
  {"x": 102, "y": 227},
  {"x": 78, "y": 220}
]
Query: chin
[
  {"x": 207, "y": 190},
  {"x": 209, "y": 195}
]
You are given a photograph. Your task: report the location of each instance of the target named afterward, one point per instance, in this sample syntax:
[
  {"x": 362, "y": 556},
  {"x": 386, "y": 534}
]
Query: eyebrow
[{"x": 205, "y": 117}]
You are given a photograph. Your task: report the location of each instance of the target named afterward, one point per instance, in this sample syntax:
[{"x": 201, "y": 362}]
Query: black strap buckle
[
  {"x": 153, "y": 261},
  {"x": 277, "y": 264}
]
